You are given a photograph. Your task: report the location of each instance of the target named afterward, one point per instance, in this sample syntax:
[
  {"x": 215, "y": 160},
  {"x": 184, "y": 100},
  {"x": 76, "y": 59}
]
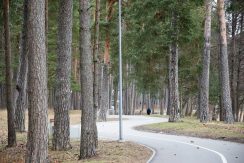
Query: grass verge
[{"x": 191, "y": 126}]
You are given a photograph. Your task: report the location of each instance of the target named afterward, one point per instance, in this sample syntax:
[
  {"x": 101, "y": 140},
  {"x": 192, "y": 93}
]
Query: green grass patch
[{"x": 192, "y": 127}]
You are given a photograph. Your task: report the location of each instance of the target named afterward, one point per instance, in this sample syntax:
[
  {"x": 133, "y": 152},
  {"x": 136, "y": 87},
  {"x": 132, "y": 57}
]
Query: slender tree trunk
[
  {"x": 96, "y": 58},
  {"x": 21, "y": 85},
  {"x": 8, "y": 76},
  {"x": 115, "y": 98},
  {"x": 88, "y": 139},
  {"x": 149, "y": 101},
  {"x": 132, "y": 107},
  {"x": 111, "y": 88},
  {"x": 105, "y": 78},
  {"x": 168, "y": 91},
  {"x": 221, "y": 108},
  {"x": 204, "y": 86},
  {"x": 234, "y": 74},
  {"x": 174, "y": 114},
  {"x": 161, "y": 102},
  {"x": 61, "y": 134},
  {"x": 105, "y": 95},
  {"x": 37, "y": 141},
  {"x": 174, "y": 108},
  {"x": 142, "y": 102},
  {"x": 134, "y": 103},
  {"x": 225, "y": 90},
  {"x": 241, "y": 43}
]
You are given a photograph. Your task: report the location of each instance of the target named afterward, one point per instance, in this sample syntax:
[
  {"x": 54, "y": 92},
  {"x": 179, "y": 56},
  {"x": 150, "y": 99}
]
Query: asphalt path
[{"x": 169, "y": 148}]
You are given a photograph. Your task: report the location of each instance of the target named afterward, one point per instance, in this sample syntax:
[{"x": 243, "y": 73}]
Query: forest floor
[
  {"x": 190, "y": 126},
  {"x": 108, "y": 151}
]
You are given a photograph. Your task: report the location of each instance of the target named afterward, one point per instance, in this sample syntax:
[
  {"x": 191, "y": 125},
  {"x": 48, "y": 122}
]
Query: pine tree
[
  {"x": 224, "y": 66},
  {"x": 37, "y": 140},
  {"x": 204, "y": 86},
  {"x": 8, "y": 76},
  {"x": 21, "y": 85},
  {"x": 88, "y": 139},
  {"x": 61, "y": 135}
]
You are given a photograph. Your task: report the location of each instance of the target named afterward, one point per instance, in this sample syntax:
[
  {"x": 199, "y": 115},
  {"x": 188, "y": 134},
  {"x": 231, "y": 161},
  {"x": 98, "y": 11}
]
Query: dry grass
[
  {"x": 192, "y": 127},
  {"x": 107, "y": 152}
]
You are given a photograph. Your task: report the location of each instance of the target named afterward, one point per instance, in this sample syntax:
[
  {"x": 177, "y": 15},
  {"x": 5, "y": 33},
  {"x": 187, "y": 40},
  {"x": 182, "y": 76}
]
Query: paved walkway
[{"x": 170, "y": 148}]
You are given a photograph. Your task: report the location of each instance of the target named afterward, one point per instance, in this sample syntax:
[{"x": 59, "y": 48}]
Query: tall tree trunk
[
  {"x": 21, "y": 85},
  {"x": 174, "y": 108},
  {"x": 105, "y": 77},
  {"x": 234, "y": 68},
  {"x": 225, "y": 90},
  {"x": 96, "y": 58},
  {"x": 241, "y": 49},
  {"x": 37, "y": 141},
  {"x": 61, "y": 134},
  {"x": 174, "y": 114},
  {"x": 8, "y": 76},
  {"x": 88, "y": 139},
  {"x": 204, "y": 86},
  {"x": 168, "y": 89},
  {"x": 142, "y": 102}
]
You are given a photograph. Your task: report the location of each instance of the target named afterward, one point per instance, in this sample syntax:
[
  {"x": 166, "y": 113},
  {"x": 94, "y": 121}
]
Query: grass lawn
[
  {"x": 107, "y": 152},
  {"x": 191, "y": 126}
]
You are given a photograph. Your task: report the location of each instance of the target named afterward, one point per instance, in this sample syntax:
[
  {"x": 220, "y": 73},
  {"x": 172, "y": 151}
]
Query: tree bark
[
  {"x": 96, "y": 58},
  {"x": 105, "y": 77},
  {"x": 234, "y": 68},
  {"x": 104, "y": 95},
  {"x": 115, "y": 97},
  {"x": 61, "y": 135},
  {"x": 168, "y": 90},
  {"x": 37, "y": 140},
  {"x": 174, "y": 111},
  {"x": 88, "y": 139},
  {"x": 225, "y": 86},
  {"x": 204, "y": 86},
  {"x": 142, "y": 102},
  {"x": 241, "y": 43},
  {"x": 8, "y": 76},
  {"x": 21, "y": 85}
]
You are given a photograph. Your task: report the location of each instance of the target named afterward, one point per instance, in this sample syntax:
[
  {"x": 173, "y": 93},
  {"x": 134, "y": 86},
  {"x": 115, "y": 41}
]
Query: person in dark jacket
[{"x": 149, "y": 111}]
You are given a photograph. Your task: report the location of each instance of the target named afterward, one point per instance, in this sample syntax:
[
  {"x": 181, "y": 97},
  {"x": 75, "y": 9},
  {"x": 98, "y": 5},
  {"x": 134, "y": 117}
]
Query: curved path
[{"x": 170, "y": 148}]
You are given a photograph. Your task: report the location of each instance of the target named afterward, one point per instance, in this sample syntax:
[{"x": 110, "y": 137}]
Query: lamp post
[{"x": 120, "y": 76}]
